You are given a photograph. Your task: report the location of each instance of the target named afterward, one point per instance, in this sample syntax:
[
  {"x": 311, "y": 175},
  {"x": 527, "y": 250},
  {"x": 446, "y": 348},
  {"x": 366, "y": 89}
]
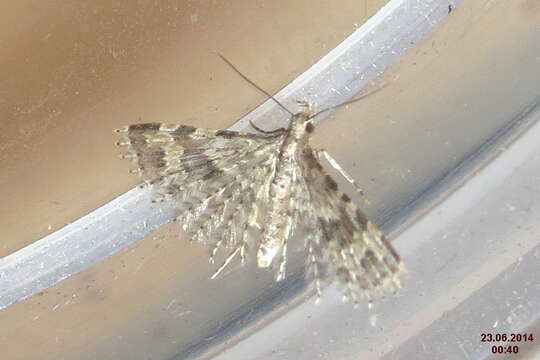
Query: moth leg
[
  {"x": 282, "y": 263},
  {"x": 306, "y": 107},
  {"x": 321, "y": 152},
  {"x": 243, "y": 247},
  {"x": 229, "y": 258},
  {"x": 215, "y": 250}
]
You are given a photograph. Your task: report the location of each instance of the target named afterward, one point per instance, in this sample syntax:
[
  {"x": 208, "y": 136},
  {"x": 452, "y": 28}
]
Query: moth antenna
[
  {"x": 349, "y": 101},
  {"x": 270, "y": 96}
]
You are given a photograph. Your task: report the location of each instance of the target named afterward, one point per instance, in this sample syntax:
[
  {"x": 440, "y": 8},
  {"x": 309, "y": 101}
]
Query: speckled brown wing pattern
[
  {"x": 351, "y": 246},
  {"x": 218, "y": 179}
]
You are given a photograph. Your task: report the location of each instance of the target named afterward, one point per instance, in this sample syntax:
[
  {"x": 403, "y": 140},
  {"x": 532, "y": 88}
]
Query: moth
[{"x": 253, "y": 193}]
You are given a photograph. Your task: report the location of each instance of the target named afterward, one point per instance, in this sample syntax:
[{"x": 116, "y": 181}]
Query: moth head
[
  {"x": 306, "y": 110},
  {"x": 309, "y": 126},
  {"x": 304, "y": 119}
]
